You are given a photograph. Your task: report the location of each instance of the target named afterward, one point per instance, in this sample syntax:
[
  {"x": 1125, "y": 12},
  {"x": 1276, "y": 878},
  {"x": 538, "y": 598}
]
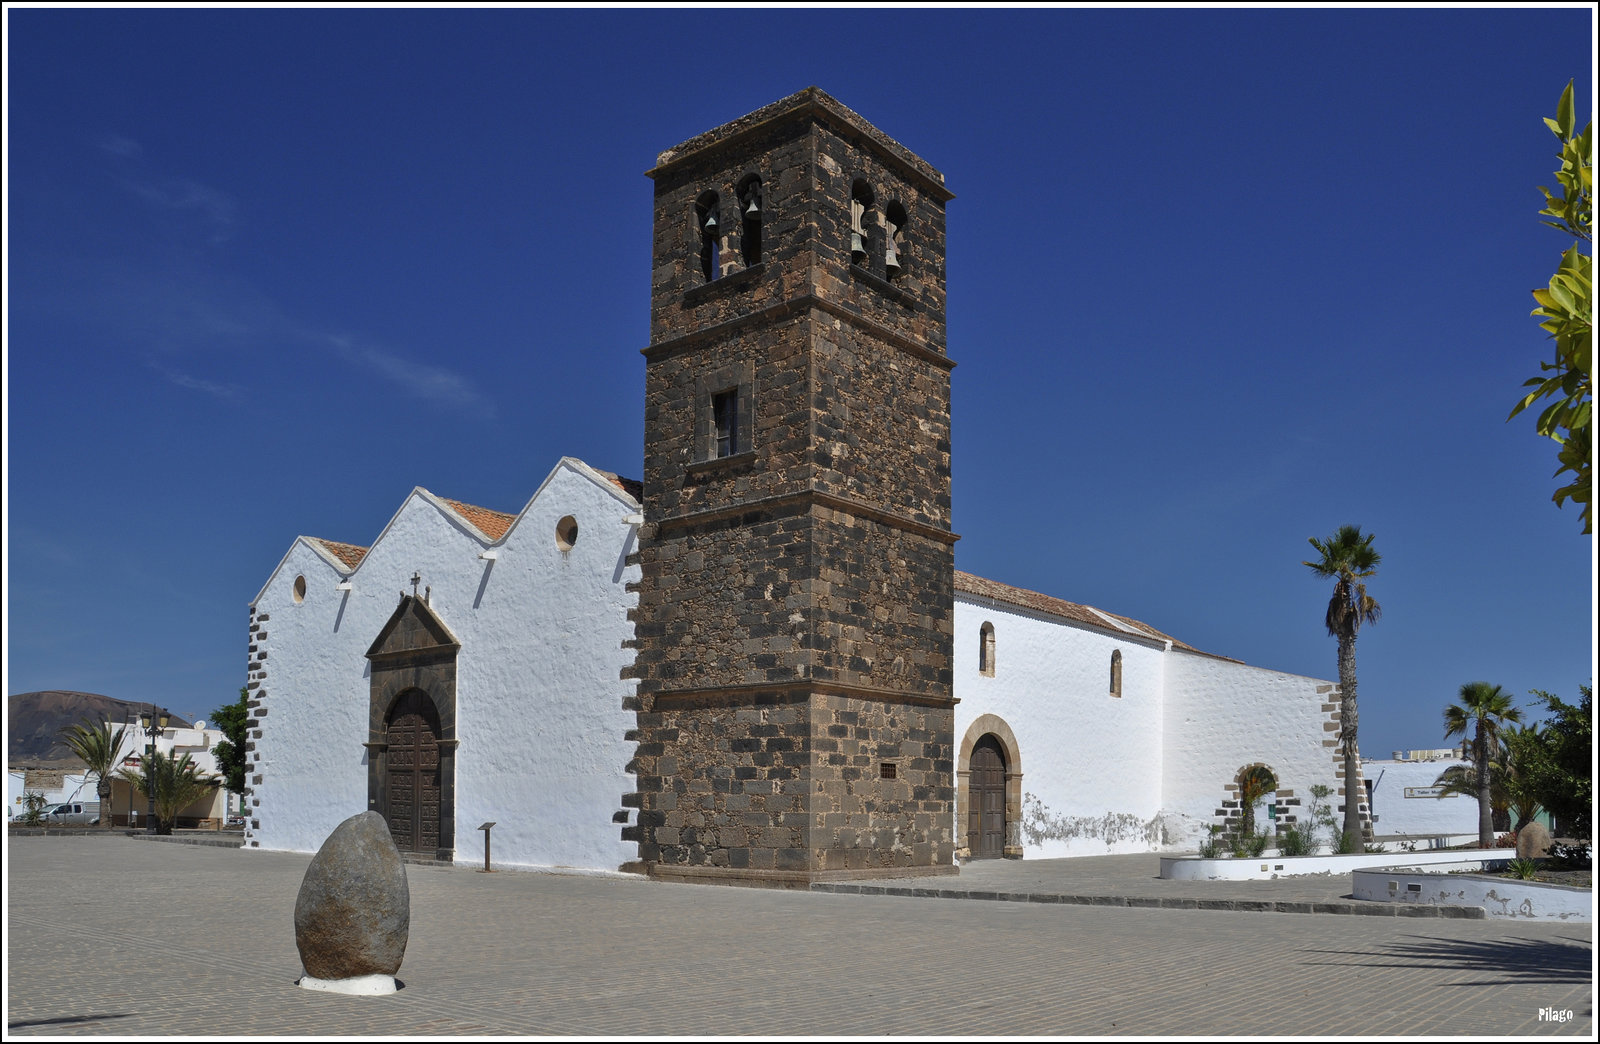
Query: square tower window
[
  {"x": 725, "y": 423},
  {"x": 725, "y": 413}
]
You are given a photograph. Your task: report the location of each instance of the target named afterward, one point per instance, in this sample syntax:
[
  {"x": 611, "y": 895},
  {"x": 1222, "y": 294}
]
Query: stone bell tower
[{"x": 794, "y": 623}]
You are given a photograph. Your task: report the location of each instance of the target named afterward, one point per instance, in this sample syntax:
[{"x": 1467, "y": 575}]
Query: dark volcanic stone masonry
[{"x": 795, "y": 610}]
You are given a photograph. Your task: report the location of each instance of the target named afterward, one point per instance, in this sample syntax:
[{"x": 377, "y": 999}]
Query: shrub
[
  {"x": 1344, "y": 843},
  {"x": 1297, "y": 841},
  {"x": 1571, "y": 857},
  {"x": 33, "y": 804}
]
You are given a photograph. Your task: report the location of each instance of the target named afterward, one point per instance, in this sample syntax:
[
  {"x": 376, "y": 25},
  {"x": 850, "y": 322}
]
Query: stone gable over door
[{"x": 415, "y": 651}]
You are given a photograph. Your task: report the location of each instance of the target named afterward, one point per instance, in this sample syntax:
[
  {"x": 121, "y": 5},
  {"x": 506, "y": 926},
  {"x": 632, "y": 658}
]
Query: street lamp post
[{"x": 152, "y": 724}]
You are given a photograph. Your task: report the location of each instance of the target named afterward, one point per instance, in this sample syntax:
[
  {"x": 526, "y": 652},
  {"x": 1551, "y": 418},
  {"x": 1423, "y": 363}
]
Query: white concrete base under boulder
[{"x": 360, "y": 986}]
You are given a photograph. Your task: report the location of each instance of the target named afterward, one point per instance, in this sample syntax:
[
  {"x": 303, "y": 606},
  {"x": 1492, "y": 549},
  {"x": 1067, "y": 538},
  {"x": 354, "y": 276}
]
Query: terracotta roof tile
[
  {"x": 492, "y": 524},
  {"x": 967, "y": 583},
  {"x": 633, "y": 487},
  {"x": 350, "y": 554}
]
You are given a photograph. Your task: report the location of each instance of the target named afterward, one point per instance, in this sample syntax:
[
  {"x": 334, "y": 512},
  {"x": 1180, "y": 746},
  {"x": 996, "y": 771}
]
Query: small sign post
[{"x": 486, "y": 827}]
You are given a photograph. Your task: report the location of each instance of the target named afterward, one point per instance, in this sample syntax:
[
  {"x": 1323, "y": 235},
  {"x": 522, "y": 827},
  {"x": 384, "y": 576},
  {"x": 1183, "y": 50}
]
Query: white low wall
[
  {"x": 1268, "y": 867},
  {"x": 1498, "y": 896}
]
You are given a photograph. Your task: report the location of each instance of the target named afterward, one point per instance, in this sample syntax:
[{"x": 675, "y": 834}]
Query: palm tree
[
  {"x": 1255, "y": 783},
  {"x": 101, "y": 750},
  {"x": 1347, "y": 559},
  {"x": 177, "y": 784},
  {"x": 1524, "y": 748},
  {"x": 1487, "y": 709}
]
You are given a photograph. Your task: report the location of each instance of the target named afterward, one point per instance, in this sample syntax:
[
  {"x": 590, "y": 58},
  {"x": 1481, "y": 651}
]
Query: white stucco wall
[
  {"x": 1222, "y": 716},
  {"x": 1417, "y": 815},
  {"x": 75, "y": 786},
  {"x": 1091, "y": 779},
  {"x": 540, "y": 721}
]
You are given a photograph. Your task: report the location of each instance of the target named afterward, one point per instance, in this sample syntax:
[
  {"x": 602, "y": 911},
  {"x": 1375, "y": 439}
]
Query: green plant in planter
[
  {"x": 1297, "y": 841},
  {"x": 1210, "y": 848},
  {"x": 33, "y": 804},
  {"x": 1248, "y": 845},
  {"x": 1522, "y": 869},
  {"x": 1320, "y": 816}
]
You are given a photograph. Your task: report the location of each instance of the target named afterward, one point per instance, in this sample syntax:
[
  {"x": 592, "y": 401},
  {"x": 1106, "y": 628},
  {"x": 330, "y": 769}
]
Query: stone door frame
[
  {"x": 414, "y": 650},
  {"x": 989, "y": 725}
]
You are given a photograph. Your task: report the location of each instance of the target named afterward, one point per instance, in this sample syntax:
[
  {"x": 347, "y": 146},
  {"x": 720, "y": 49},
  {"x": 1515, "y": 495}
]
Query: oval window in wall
[
  {"x": 566, "y": 532},
  {"x": 299, "y": 589}
]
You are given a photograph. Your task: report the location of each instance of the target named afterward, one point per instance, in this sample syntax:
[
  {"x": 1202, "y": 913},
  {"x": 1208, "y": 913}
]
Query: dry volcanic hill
[{"x": 35, "y": 719}]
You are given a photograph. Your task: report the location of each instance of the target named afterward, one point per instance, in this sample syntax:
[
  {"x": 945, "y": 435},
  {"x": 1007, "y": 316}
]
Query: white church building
[
  {"x": 1082, "y": 732},
  {"x": 760, "y": 662}
]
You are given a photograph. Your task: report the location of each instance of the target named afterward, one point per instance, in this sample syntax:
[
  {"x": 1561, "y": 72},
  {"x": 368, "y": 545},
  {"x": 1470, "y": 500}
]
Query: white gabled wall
[
  {"x": 539, "y": 701},
  {"x": 307, "y": 771},
  {"x": 1091, "y": 763},
  {"x": 540, "y": 722},
  {"x": 1222, "y": 716}
]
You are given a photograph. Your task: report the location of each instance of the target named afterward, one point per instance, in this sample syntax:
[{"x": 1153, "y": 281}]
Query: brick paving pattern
[{"x": 108, "y": 936}]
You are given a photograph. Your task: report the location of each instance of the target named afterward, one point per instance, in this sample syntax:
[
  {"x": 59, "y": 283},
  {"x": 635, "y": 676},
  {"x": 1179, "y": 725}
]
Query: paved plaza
[{"x": 128, "y": 937}]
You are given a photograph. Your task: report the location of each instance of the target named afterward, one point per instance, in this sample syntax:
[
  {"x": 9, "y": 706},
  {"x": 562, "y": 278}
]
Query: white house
[{"x": 127, "y": 804}]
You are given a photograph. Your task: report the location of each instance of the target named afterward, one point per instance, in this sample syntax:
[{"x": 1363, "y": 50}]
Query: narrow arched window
[
  {"x": 1116, "y": 673},
  {"x": 894, "y": 218},
  {"x": 986, "y": 649},
  {"x": 861, "y": 203},
  {"x": 706, "y": 223},
  {"x": 750, "y": 203}
]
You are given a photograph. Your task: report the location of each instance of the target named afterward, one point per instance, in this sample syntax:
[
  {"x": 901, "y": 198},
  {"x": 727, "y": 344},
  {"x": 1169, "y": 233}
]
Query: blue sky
[{"x": 1219, "y": 281}]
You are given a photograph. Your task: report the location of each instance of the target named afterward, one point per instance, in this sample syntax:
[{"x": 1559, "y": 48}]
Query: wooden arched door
[
  {"x": 412, "y": 791},
  {"x": 986, "y": 816}
]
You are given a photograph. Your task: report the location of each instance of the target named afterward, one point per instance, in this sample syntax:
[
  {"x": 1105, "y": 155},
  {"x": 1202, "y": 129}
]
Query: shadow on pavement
[
  {"x": 1508, "y": 960},
  {"x": 65, "y": 1020}
]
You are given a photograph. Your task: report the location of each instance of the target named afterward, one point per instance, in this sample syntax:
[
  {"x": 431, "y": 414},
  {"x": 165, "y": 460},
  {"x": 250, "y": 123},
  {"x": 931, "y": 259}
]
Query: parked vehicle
[{"x": 73, "y": 812}]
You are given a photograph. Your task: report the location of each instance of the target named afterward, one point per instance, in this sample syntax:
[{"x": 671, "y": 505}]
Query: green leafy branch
[{"x": 1566, "y": 313}]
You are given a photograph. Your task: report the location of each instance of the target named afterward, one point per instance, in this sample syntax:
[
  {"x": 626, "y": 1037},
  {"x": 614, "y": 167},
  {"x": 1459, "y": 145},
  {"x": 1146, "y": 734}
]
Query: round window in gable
[
  {"x": 566, "y": 532},
  {"x": 299, "y": 589}
]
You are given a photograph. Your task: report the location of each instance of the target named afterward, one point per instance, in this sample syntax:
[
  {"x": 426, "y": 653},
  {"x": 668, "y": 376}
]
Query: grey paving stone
[{"x": 168, "y": 939}]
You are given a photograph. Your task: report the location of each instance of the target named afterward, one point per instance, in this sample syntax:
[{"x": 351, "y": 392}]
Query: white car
[{"x": 73, "y": 812}]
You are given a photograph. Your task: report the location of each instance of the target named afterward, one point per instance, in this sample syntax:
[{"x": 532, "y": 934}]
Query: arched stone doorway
[
  {"x": 989, "y": 789},
  {"x": 411, "y": 789},
  {"x": 986, "y": 808},
  {"x": 411, "y": 730},
  {"x": 1250, "y": 803}
]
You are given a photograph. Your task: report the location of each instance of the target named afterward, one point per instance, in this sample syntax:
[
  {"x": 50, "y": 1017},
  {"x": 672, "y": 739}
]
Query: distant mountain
[{"x": 35, "y": 721}]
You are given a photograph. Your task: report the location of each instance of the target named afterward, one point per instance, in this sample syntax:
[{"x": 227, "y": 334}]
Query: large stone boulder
[
  {"x": 353, "y": 916},
  {"x": 1533, "y": 841}
]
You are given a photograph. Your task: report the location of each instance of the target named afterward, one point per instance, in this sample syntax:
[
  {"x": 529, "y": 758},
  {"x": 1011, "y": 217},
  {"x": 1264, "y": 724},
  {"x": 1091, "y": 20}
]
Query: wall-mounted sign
[{"x": 1428, "y": 792}]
